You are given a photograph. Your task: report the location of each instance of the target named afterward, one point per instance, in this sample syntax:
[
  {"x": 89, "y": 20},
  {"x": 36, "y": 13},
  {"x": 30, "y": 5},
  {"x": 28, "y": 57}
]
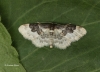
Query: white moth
[{"x": 52, "y": 34}]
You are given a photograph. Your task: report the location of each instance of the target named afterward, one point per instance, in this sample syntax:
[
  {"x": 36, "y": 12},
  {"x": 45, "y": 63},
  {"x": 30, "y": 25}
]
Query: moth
[{"x": 52, "y": 34}]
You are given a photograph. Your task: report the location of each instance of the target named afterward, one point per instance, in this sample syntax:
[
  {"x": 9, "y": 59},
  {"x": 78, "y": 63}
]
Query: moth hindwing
[{"x": 52, "y": 34}]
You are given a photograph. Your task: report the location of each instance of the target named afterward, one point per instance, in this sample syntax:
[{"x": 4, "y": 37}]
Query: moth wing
[
  {"x": 36, "y": 39},
  {"x": 77, "y": 34},
  {"x": 60, "y": 42},
  {"x": 27, "y": 33},
  {"x": 39, "y": 42},
  {"x": 70, "y": 37}
]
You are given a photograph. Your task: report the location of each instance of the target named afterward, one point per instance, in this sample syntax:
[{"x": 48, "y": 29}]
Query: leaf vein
[
  {"x": 28, "y": 12},
  {"x": 89, "y": 13},
  {"x": 91, "y": 23},
  {"x": 69, "y": 59},
  {"x": 90, "y": 4},
  {"x": 29, "y": 54},
  {"x": 63, "y": 14}
]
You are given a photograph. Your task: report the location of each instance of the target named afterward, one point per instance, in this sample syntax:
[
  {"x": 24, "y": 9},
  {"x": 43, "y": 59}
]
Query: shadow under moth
[{"x": 52, "y": 34}]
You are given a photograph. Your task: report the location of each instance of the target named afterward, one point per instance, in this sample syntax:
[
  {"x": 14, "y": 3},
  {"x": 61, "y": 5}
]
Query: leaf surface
[
  {"x": 81, "y": 56},
  {"x": 8, "y": 55}
]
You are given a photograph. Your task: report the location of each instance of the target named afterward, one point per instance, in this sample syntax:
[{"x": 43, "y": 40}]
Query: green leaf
[
  {"x": 8, "y": 55},
  {"x": 81, "y": 56}
]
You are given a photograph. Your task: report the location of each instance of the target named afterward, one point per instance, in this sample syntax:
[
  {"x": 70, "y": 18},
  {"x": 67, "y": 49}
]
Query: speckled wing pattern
[{"x": 52, "y": 34}]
